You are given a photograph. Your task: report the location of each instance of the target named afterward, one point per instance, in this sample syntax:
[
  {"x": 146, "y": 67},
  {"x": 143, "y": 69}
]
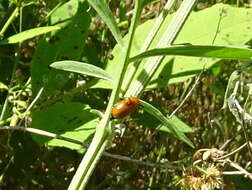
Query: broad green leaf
[
  {"x": 233, "y": 27},
  {"x": 67, "y": 43},
  {"x": 221, "y": 52},
  {"x": 105, "y": 13},
  {"x": 31, "y": 33},
  {"x": 82, "y": 68},
  {"x": 174, "y": 129},
  {"x": 73, "y": 120}
]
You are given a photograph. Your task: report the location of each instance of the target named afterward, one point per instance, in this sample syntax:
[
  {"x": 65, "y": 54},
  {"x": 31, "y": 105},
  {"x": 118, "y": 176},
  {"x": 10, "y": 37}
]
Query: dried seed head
[{"x": 208, "y": 180}]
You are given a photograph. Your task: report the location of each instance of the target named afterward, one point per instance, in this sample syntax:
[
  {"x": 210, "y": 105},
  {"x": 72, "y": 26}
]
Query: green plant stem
[
  {"x": 6, "y": 102},
  {"x": 157, "y": 25},
  {"x": 12, "y": 17},
  {"x": 92, "y": 167},
  {"x": 20, "y": 19},
  {"x": 9, "y": 21},
  {"x": 103, "y": 131},
  {"x": 153, "y": 63},
  {"x": 155, "y": 169}
]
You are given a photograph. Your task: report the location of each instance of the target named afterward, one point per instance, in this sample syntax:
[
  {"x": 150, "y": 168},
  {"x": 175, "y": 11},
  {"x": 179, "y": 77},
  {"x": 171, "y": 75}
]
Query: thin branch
[
  {"x": 236, "y": 166},
  {"x": 247, "y": 117},
  {"x": 226, "y": 143},
  {"x": 233, "y": 152},
  {"x": 233, "y": 173},
  {"x": 188, "y": 94},
  {"x": 125, "y": 158},
  {"x": 240, "y": 114},
  {"x": 44, "y": 133},
  {"x": 35, "y": 100},
  {"x": 85, "y": 145}
]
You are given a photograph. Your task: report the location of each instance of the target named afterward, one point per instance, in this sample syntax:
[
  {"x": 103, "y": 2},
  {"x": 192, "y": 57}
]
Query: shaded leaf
[
  {"x": 73, "y": 120},
  {"x": 241, "y": 182},
  {"x": 171, "y": 125},
  {"x": 148, "y": 121}
]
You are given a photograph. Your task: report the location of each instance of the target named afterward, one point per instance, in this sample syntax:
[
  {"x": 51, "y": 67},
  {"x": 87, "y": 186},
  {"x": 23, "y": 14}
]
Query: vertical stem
[
  {"x": 152, "y": 64},
  {"x": 9, "y": 21},
  {"x": 157, "y": 25},
  {"x": 6, "y": 25},
  {"x": 103, "y": 130},
  {"x": 155, "y": 169}
]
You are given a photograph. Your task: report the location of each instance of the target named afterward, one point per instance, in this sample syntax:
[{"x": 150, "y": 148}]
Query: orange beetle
[{"x": 125, "y": 107}]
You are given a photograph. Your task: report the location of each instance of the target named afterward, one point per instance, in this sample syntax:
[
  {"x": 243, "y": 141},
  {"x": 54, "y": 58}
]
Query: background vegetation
[{"x": 142, "y": 154}]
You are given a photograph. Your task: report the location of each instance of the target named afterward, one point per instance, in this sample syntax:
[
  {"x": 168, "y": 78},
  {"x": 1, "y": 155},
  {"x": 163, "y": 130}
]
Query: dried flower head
[{"x": 195, "y": 179}]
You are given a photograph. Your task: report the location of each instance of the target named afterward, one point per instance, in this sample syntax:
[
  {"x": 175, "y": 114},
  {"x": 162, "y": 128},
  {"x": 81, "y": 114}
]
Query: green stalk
[
  {"x": 103, "y": 131},
  {"x": 155, "y": 169},
  {"x": 152, "y": 34},
  {"x": 92, "y": 167},
  {"x": 6, "y": 25},
  {"x": 152, "y": 64},
  {"x": 9, "y": 21}
]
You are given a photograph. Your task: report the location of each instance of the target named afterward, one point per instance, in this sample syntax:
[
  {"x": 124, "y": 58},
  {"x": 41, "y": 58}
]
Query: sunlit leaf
[
  {"x": 221, "y": 52},
  {"x": 31, "y": 33},
  {"x": 217, "y": 31},
  {"x": 82, "y": 68}
]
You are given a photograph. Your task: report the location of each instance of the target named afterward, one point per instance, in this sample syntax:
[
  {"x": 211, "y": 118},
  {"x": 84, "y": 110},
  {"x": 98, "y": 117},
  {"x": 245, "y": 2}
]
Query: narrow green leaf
[
  {"x": 25, "y": 35},
  {"x": 183, "y": 127},
  {"x": 82, "y": 68},
  {"x": 168, "y": 123},
  {"x": 222, "y": 52},
  {"x": 105, "y": 13},
  {"x": 146, "y": 120}
]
